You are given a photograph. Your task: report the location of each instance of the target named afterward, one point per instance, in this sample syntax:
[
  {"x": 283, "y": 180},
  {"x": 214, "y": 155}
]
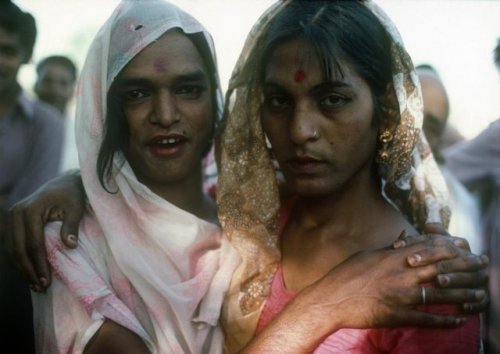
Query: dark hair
[
  {"x": 116, "y": 131},
  {"x": 14, "y": 20},
  {"x": 337, "y": 31},
  {"x": 58, "y": 60}
]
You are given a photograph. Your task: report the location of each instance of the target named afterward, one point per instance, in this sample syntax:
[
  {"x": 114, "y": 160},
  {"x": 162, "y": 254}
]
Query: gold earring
[{"x": 383, "y": 153}]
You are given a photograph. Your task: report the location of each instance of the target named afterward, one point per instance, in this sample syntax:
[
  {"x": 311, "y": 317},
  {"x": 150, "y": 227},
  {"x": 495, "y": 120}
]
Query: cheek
[
  {"x": 134, "y": 128},
  {"x": 276, "y": 131},
  {"x": 199, "y": 117}
]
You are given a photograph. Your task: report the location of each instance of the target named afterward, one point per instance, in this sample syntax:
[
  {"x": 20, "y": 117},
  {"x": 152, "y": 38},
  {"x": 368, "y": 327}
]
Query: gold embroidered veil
[{"x": 248, "y": 193}]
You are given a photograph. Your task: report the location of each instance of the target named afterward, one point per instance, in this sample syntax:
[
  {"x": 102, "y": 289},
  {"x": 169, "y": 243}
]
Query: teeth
[{"x": 169, "y": 141}]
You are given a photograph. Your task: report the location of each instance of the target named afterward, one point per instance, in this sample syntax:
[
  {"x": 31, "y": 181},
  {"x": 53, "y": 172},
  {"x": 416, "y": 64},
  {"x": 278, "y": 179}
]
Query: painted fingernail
[
  {"x": 414, "y": 259},
  {"x": 399, "y": 244},
  {"x": 44, "y": 281},
  {"x": 443, "y": 280},
  {"x": 479, "y": 294}
]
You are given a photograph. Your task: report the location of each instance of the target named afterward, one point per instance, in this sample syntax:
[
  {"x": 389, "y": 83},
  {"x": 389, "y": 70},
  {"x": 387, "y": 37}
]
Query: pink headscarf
[{"x": 142, "y": 262}]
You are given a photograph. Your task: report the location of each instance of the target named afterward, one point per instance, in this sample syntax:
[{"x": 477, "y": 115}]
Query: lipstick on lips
[{"x": 168, "y": 145}]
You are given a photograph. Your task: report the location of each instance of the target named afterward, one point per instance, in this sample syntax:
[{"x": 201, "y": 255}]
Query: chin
[{"x": 310, "y": 189}]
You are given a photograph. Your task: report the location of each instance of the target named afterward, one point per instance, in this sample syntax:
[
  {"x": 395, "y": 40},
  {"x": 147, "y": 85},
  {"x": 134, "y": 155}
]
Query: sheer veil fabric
[
  {"x": 141, "y": 261},
  {"x": 248, "y": 191}
]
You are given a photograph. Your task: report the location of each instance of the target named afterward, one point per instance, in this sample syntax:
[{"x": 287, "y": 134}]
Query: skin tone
[
  {"x": 436, "y": 109},
  {"x": 338, "y": 200},
  {"x": 167, "y": 105},
  {"x": 166, "y": 100},
  {"x": 287, "y": 331},
  {"x": 55, "y": 85},
  {"x": 327, "y": 159}
]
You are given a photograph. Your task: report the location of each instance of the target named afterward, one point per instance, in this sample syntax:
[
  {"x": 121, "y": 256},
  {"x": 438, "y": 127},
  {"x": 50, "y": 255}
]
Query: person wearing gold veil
[{"x": 325, "y": 96}]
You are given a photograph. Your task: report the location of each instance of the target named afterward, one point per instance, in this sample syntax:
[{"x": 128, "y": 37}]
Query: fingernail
[
  {"x": 459, "y": 243},
  {"x": 44, "y": 281},
  {"x": 479, "y": 294},
  {"x": 443, "y": 280},
  {"x": 460, "y": 321},
  {"x": 72, "y": 239},
  {"x": 467, "y": 307},
  {"x": 414, "y": 259},
  {"x": 399, "y": 244}
]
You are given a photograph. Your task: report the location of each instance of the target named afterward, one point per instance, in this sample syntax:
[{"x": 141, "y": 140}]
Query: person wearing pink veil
[{"x": 152, "y": 267}]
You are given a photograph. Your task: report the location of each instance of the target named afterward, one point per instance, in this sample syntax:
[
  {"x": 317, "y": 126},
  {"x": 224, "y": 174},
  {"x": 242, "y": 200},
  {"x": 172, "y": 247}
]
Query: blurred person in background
[
  {"x": 450, "y": 134},
  {"x": 30, "y": 145},
  {"x": 55, "y": 85},
  {"x": 476, "y": 163},
  {"x": 465, "y": 211}
]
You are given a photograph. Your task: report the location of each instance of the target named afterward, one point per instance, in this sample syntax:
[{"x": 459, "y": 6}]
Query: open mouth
[{"x": 167, "y": 146}]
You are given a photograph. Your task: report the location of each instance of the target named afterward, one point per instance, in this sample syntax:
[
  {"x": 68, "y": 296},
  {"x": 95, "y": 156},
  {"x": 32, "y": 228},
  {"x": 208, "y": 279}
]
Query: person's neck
[
  {"x": 8, "y": 99},
  {"x": 322, "y": 232},
  {"x": 188, "y": 195},
  {"x": 343, "y": 213}
]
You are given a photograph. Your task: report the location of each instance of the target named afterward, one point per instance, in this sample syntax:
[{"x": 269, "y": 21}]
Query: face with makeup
[
  {"x": 321, "y": 131},
  {"x": 165, "y": 96}
]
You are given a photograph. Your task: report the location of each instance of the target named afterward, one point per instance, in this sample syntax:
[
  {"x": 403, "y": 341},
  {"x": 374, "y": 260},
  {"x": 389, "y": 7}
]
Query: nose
[
  {"x": 303, "y": 126},
  {"x": 164, "y": 111}
]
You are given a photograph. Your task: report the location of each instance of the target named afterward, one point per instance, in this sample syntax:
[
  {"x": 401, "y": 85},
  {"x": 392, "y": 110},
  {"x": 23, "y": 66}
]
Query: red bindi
[
  {"x": 299, "y": 76},
  {"x": 159, "y": 65}
]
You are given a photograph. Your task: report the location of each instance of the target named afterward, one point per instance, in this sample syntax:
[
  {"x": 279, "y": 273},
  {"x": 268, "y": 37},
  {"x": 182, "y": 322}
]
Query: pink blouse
[{"x": 401, "y": 340}]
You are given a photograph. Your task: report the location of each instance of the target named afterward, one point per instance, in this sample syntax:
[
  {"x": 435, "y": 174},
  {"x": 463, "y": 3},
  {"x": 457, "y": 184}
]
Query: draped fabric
[
  {"x": 141, "y": 261},
  {"x": 248, "y": 190}
]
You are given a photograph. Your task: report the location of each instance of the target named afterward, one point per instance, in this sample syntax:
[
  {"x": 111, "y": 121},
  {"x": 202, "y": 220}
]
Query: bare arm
[
  {"x": 112, "y": 338},
  {"x": 372, "y": 289},
  {"x": 62, "y": 198}
]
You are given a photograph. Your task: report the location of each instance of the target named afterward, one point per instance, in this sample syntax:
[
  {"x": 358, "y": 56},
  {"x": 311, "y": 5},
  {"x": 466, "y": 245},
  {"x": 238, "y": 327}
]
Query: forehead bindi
[
  {"x": 299, "y": 76},
  {"x": 170, "y": 55},
  {"x": 159, "y": 65},
  {"x": 294, "y": 63}
]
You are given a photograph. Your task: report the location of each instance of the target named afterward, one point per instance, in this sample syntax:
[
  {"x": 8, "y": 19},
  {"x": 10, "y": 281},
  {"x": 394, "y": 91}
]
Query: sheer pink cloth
[
  {"x": 401, "y": 340},
  {"x": 141, "y": 261}
]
